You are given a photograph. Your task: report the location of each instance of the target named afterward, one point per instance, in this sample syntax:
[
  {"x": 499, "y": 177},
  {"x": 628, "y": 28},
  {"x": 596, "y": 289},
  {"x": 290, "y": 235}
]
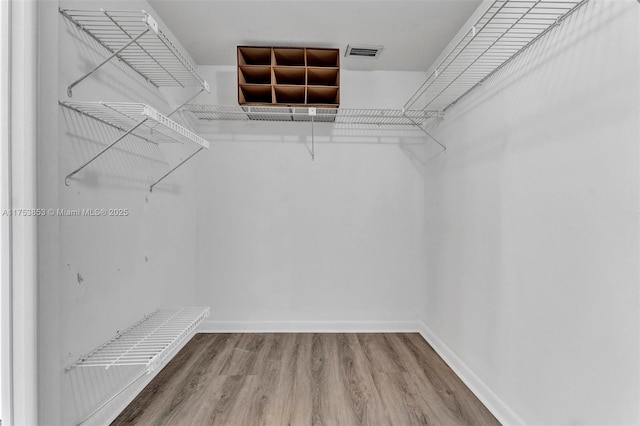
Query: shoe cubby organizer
[{"x": 289, "y": 76}]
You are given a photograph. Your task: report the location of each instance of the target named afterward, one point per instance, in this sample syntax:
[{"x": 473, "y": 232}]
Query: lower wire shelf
[{"x": 147, "y": 343}]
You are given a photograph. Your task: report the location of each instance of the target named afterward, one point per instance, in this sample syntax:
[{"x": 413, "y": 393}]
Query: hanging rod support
[
  {"x": 73, "y": 173},
  {"x": 176, "y": 167},
  {"x": 419, "y": 126},
  {"x": 313, "y": 142},
  {"x": 114, "y": 54}
]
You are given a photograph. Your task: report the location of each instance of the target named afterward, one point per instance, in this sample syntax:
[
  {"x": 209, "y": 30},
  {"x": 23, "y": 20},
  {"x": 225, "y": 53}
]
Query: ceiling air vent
[{"x": 363, "y": 51}]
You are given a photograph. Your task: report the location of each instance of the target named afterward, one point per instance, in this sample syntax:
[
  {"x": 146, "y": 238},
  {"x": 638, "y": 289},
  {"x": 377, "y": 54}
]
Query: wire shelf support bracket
[
  {"x": 429, "y": 135},
  {"x": 504, "y": 30},
  {"x": 175, "y": 168},
  {"x": 135, "y": 38},
  {"x": 135, "y": 119}
]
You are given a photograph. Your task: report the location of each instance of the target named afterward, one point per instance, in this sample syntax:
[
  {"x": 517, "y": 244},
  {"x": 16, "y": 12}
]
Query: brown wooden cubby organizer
[{"x": 291, "y": 76}]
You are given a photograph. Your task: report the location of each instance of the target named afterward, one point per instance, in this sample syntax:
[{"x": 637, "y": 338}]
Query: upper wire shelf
[
  {"x": 148, "y": 342},
  {"x": 502, "y": 32},
  {"x": 333, "y": 115},
  {"x": 136, "y": 38}
]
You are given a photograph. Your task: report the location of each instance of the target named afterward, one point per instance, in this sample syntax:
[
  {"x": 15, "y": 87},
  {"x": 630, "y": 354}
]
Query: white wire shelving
[
  {"x": 135, "y": 119},
  {"x": 327, "y": 115},
  {"x": 135, "y": 38},
  {"x": 507, "y": 28},
  {"x": 341, "y": 116},
  {"x": 147, "y": 343}
]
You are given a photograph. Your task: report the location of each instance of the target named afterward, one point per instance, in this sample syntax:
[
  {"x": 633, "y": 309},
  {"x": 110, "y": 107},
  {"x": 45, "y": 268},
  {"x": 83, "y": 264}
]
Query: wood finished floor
[{"x": 306, "y": 379}]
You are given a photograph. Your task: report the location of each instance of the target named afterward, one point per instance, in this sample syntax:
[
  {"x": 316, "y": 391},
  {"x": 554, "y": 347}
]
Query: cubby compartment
[
  {"x": 255, "y": 94},
  {"x": 288, "y": 56},
  {"x": 323, "y": 95},
  {"x": 289, "y": 75},
  {"x": 289, "y": 95},
  {"x": 323, "y": 57},
  {"x": 323, "y": 77},
  {"x": 254, "y": 74},
  {"x": 248, "y": 55}
]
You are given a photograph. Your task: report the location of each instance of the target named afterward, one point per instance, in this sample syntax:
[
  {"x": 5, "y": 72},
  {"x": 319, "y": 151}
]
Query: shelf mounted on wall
[
  {"x": 343, "y": 116},
  {"x": 148, "y": 344},
  {"x": 503, "y": 31},
  {"x": 135, "y": 119},
  {"x": 135, "y": 38},
  {"x": 388, "y": 117}
]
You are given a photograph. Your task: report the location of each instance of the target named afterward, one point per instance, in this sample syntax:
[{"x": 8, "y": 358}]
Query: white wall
[
  {"x": 286, "y": 243},
  {"x": 531, "y": 225},
  {"x": 99, "y": 275}
]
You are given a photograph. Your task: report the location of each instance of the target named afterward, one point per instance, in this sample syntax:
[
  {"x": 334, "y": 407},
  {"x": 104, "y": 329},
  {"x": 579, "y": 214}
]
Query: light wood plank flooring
[{"x": 306, "y": 379}]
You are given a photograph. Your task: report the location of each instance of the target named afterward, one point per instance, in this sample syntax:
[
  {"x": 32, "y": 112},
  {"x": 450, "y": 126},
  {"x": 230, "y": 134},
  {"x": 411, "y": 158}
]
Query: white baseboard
[
  {"x": 493, "y": 403},
  {"x": 497, "y": 406},
  {"x": 308, "y": 327}
]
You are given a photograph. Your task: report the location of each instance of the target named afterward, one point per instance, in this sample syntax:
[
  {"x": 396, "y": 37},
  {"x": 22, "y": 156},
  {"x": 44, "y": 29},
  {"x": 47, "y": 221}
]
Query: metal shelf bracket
[
  {"x": 107, "y": 148},
  {"x": 419, "y": 126},
  {"x": 175, "y": 168}
]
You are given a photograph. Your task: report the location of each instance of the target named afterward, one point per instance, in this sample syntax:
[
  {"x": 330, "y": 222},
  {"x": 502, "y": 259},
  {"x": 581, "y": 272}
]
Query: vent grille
[{"x": 363, "y": 51}]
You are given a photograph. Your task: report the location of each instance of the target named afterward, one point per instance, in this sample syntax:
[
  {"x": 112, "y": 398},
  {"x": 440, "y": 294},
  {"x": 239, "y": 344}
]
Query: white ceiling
[{"x": 413, "y": 33}]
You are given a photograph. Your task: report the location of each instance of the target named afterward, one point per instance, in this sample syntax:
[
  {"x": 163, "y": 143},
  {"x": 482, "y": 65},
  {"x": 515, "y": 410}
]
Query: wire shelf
[
  {"x": 147, "y": 343},
  {"x": 136, "y": 38},
  {"x": 502, "y": 32},
  {"x": 125, "y": 115},
  {"x": 332, "y": 115}
]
